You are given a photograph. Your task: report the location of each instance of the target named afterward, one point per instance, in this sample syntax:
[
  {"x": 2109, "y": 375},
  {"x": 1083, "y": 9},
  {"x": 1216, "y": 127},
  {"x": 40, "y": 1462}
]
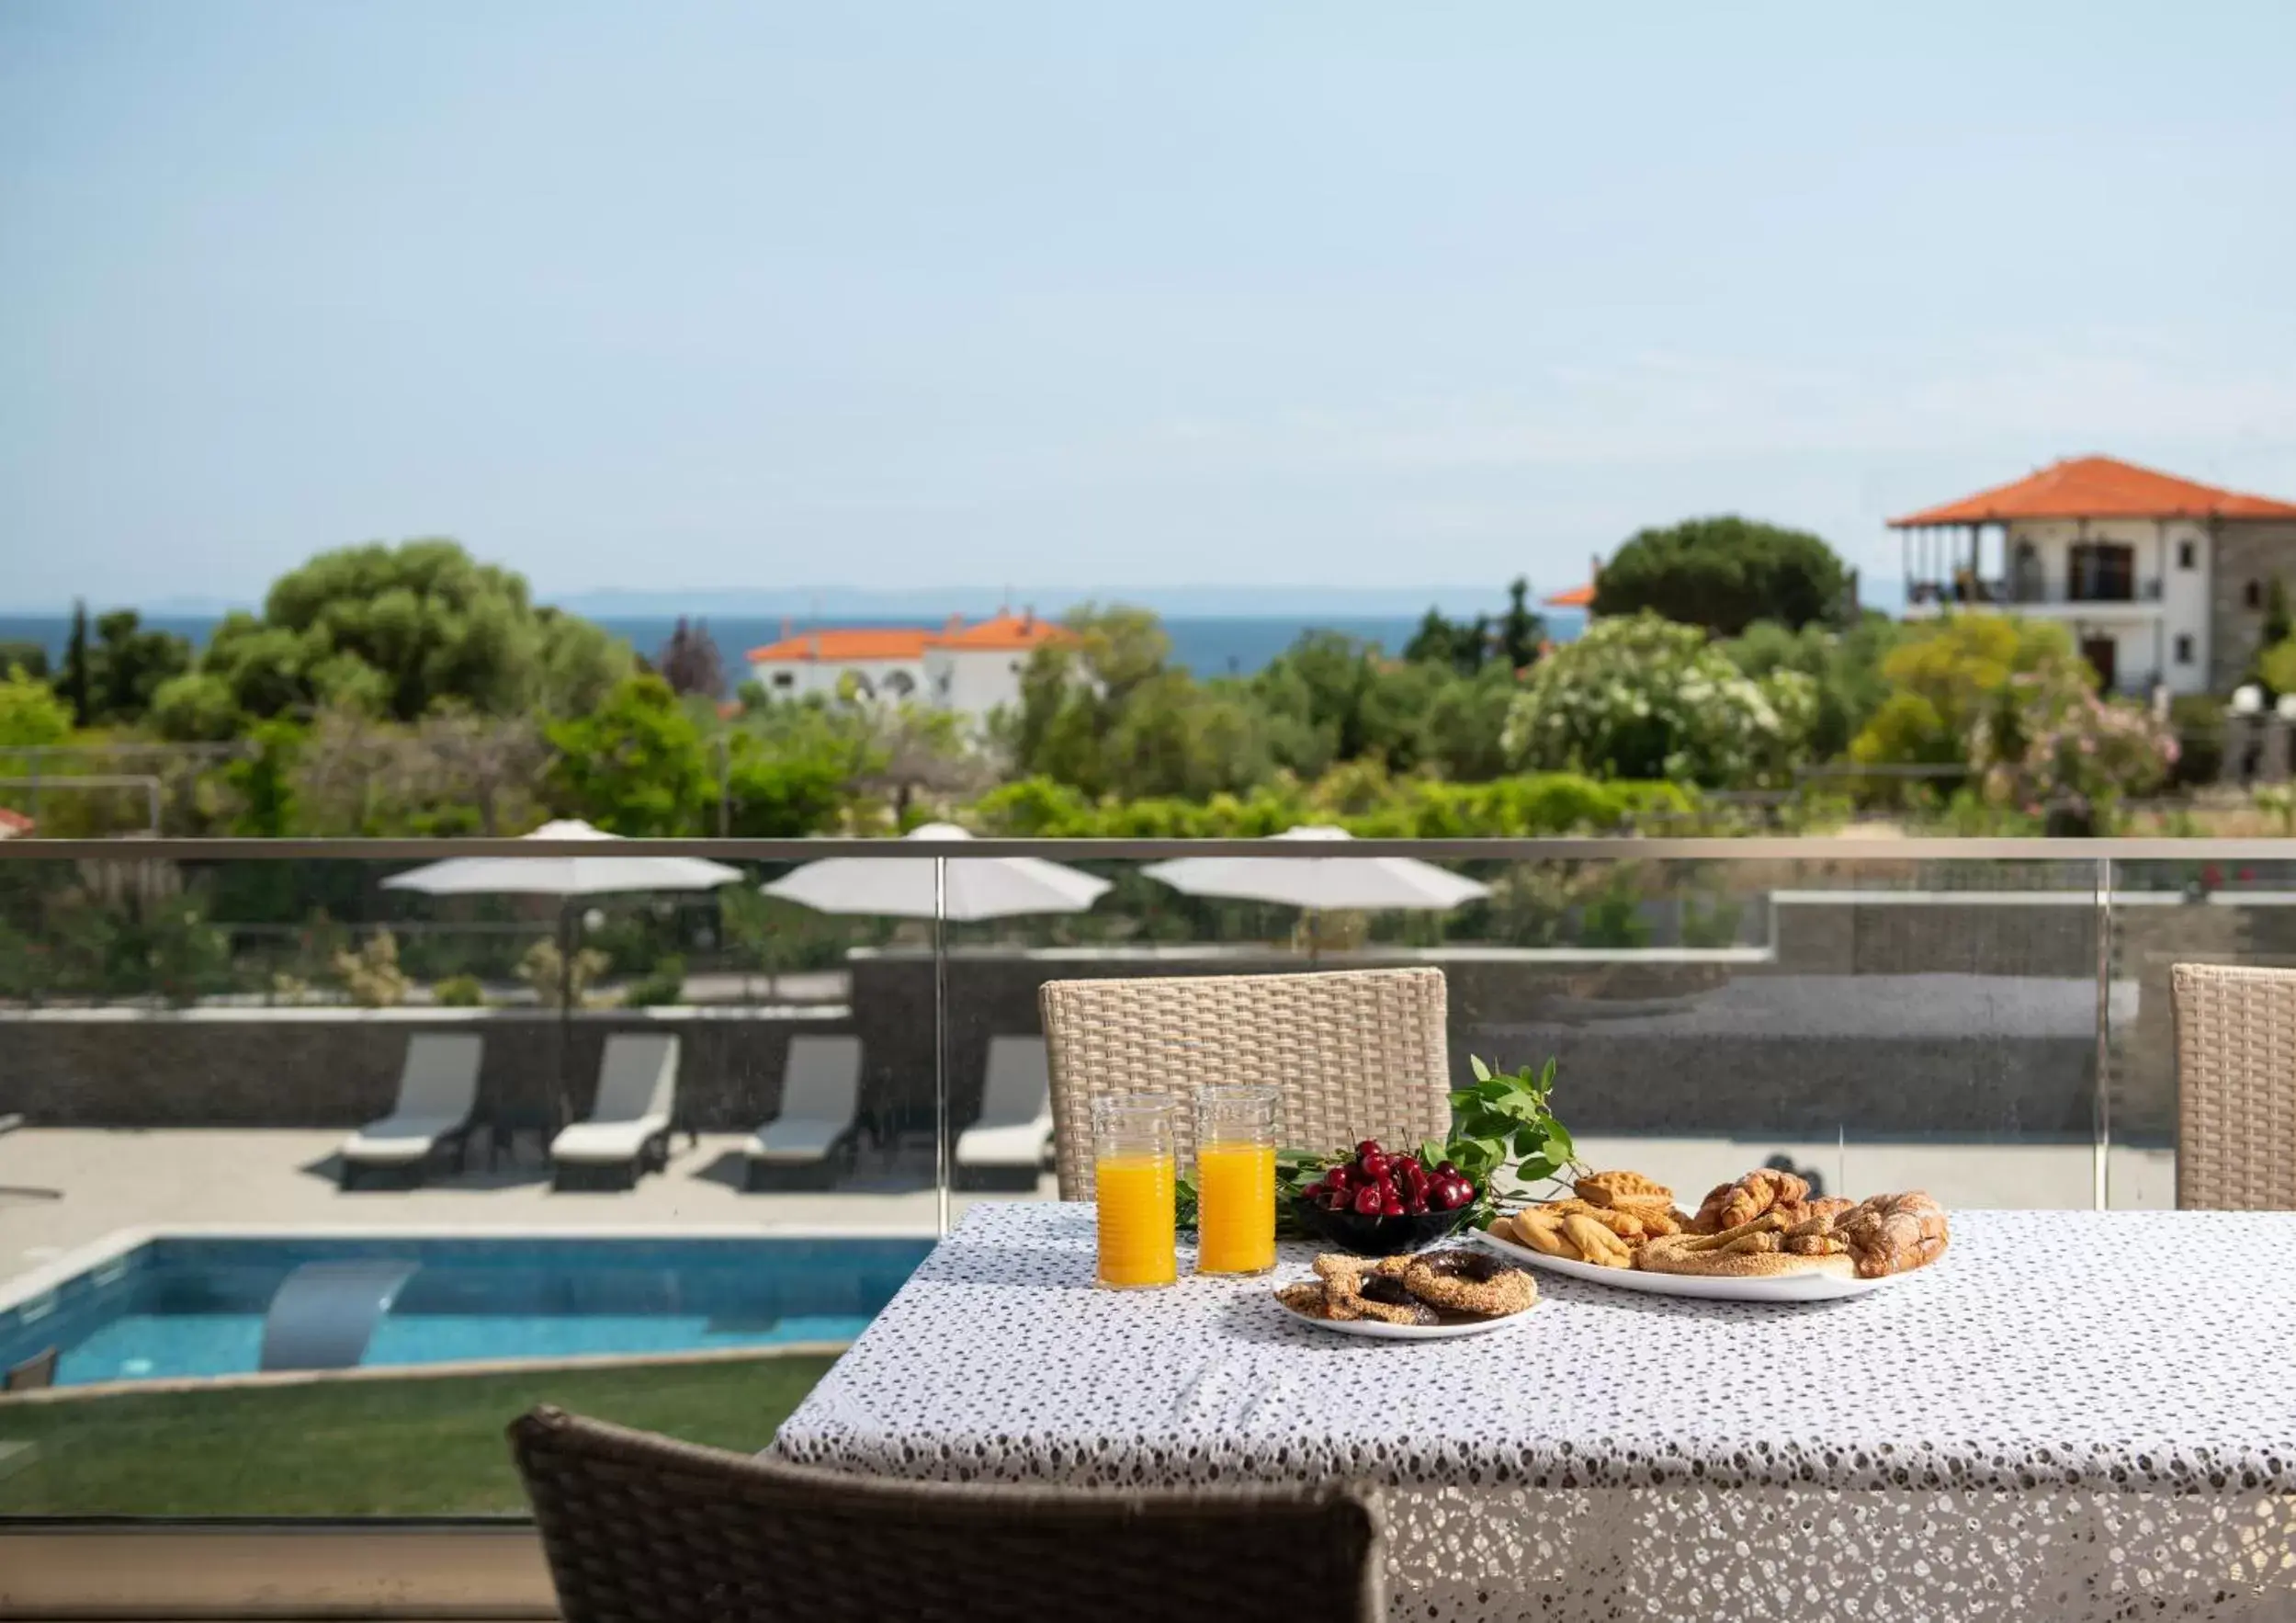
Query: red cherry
[
  {"x": 1375, "y": 1164},
  {"x": 1392, "y": 1208},
  {"x": 1447, "y": 1170},
  {"x": 1417, "y": 1207},
  {"x": 1454, "y": 1195},
  {"x": 1336, "y": 1178},
  {"x": 1367, "y": 1200},
  {"x": 1368, "y": 1147},
  {"x": 1339, "y": 1200}
]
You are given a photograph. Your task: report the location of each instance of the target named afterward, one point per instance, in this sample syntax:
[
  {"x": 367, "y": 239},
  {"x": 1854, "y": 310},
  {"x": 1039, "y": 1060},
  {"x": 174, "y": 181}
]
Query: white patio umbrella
[
  {"x": 1322, "y": 884},
  {"x": 569, "y": 878},
  {"x": 901, "y": 887}
]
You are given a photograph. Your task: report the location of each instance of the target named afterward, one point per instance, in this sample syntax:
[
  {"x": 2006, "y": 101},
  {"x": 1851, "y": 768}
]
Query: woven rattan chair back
[
  {"x": 2235, "y": 1087},
  {"x": 1359, "y": 1053},
  {"x": 641, "y": 1529}
]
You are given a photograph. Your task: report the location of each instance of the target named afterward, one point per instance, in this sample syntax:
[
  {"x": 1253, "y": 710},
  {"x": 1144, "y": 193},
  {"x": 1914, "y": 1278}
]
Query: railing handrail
[{"x": 1606, "y": 847}]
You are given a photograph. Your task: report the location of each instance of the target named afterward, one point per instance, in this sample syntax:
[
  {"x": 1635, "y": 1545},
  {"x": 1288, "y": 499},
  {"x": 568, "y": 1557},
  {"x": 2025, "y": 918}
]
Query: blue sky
[{"x": 672, "y": 295}]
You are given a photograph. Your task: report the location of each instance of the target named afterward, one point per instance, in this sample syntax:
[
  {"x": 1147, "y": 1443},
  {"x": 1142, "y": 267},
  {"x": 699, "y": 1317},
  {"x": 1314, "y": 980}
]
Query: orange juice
[
  {"x": 1235, "y": 1209},
  {"x": 1136, "y": 1221}
]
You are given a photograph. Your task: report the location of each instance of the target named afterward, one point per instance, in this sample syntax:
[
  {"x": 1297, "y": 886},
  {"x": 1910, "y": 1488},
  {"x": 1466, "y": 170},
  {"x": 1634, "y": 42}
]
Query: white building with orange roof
[
  {"x": 2162, "y": 580},
  {"x": 969, "y": 669}
]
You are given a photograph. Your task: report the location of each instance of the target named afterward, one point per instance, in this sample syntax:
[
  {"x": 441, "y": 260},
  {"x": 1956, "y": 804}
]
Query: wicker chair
[
  {"x": 2235, "y": 1087},
  {"x": 641, "y": 1529},
  {"x": 1358, "y": 1054}
]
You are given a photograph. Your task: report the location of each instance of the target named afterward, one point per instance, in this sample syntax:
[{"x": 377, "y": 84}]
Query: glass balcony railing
[{"x": 260, "y": 1304}]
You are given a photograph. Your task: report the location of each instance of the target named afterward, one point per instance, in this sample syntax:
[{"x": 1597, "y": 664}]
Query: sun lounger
[
  {"x": 821, "y": 1106},
  {"x": 1004, "y": 1148},
  {"x": 629, "y": 1130},
  {"x": 439, "y": 1091}
]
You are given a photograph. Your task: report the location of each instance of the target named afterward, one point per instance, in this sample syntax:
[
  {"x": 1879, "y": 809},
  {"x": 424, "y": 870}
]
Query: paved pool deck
[{"x": 65, "y": 1189}]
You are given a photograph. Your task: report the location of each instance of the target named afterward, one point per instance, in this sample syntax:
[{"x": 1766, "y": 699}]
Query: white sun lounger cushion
[
  {"x": 820, "y": 1099},
  {"x": 439, "y": 1089},
  {"x": 637, "y": 1082}
]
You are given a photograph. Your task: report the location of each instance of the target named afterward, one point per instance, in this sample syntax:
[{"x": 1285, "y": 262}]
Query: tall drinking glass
[
  {"x": 1134, "y": 1159},
  {"x": 1235, "y": 1179}
]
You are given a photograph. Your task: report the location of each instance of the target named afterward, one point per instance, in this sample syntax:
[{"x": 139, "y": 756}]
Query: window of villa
[
  {"x": 2187, "y": 555},
  {"x": 783, "y": 679},
  {"x": 2254, "y": 595},
  {"x": 2184, "y": 648}
]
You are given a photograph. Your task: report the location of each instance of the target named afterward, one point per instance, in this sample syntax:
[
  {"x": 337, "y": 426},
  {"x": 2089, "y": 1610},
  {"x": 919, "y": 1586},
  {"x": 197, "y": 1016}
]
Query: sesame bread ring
[
  {"x": 1470, "y": 1282},
  {"x": 1670, "y": 1254},
  {"x": 1308, "y": 1299},
  {"x": 1383, "y": 1298}
]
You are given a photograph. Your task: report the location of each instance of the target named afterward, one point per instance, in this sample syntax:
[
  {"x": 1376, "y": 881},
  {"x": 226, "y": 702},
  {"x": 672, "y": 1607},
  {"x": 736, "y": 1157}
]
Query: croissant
[
  {"x": 1892, "y": 1233},
  {"x": 1729, "y": 1205}
]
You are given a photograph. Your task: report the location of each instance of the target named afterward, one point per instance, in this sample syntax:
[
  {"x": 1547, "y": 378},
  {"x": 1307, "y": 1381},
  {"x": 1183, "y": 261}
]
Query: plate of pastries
[
  {"x": 1423, "y": 1296},
  {"x": 1763, "y": 1237}
]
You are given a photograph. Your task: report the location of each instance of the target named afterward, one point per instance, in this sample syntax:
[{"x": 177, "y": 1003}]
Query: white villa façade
[
  {"x": 970, "y": 669},
  {"x": 2161, "y": 580}
]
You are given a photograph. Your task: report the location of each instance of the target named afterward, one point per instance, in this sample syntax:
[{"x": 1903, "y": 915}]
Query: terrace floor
[{"x": 65, "y": 1189}]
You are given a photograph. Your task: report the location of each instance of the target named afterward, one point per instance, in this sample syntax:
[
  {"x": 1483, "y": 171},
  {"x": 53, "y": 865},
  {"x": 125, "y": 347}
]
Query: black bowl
[{"x": 1379, "y": 1236}]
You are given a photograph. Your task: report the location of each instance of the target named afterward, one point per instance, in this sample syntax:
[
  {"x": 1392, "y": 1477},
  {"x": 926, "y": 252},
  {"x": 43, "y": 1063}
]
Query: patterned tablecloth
[{"x": 2073, "y": 1414}]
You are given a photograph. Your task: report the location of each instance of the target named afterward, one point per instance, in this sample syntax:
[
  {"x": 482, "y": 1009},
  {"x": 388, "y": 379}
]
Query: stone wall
[
  {"x": 2244, "y": 551},
  {"x": 329, "y": 1068}
]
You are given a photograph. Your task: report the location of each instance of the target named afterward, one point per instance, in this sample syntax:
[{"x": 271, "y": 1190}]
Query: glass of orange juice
[
  {"x": 1134, "y": 1159},
  {"x": 1235, "y": 1179}
]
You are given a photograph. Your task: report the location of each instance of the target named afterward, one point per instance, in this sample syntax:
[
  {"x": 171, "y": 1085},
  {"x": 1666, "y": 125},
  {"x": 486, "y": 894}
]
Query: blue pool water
[{"x": 193, "y": 1307}]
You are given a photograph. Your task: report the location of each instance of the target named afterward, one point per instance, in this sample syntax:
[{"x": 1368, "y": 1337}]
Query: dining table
[{"x": 2070, "y": 1415}]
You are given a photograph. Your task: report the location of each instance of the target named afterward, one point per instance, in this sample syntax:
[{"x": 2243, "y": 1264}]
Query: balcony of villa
[{"x": 2110, "y": 597}]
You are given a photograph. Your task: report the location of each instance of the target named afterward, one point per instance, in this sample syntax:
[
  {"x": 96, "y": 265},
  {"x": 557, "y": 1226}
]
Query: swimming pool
[{"x": 171, "y": 1307}]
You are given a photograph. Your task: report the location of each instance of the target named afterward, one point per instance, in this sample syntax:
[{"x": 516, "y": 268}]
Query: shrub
[
  {"x": 370, "y": 973},
  {"x": 664, "y": 983},
  {"x": 460, "y": 992},
  {"x": 1642, "y": 697}
]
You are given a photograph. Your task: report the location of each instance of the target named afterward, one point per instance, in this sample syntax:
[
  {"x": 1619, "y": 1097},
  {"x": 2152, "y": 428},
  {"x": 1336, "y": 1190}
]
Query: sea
[{"x": 1207, "y": 645}]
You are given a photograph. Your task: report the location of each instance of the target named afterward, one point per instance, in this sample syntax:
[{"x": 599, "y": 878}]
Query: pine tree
[
  {"x": 76, "y": 686},
  {"x": 1521, "y": 631}
]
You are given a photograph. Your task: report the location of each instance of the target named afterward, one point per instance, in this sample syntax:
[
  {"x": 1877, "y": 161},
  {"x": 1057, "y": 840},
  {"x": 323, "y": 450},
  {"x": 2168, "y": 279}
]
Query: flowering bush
[
  {"x": 1640, "y": 697},
  {"x": 2049, "y": 745}
]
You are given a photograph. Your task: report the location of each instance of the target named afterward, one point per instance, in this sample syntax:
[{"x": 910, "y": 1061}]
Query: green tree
[
  {"x": 1725, "y": 573},
  {"x": 2278, "y": 624},
  {"x": 129, "y": 664},
  {"x": 79, "y": 691},
  {"x": 1464, "y": 735},
  {"x": 263, "y": 781},
  {"x": 1463, "y": 645},
  {"x": 1947, "y": 677},
  {"x": 1521, "y": 631},
  {"x": 1846, "y": 666},
  {"x": 1102, "y": 710},
  {"x": 636, "y": 765},
  {"x": 32, "y": 657},
  {"x": 1646, "y": 698},
  {"x": 31, "y": 713},
  {"x": 397, "y": 630}
]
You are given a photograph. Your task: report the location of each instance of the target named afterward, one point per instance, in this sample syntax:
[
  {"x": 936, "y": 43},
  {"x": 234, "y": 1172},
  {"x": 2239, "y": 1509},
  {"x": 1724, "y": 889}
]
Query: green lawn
[{"x": 362, "y": 1448}]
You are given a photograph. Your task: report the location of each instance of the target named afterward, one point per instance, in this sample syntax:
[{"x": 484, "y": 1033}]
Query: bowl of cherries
[{"x": 1381, "y": 1203}]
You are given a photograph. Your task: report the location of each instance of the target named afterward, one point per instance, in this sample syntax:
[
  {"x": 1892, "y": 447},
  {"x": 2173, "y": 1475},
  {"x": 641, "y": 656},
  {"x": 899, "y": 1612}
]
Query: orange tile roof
[
  {"x": 1005, "y": 631},
  {"x": 843, "y": 647},
  {"x": 1001, "y": 633},
  {"x": 2098, "y": 487},
  {"x": 1577, "y": 597}
]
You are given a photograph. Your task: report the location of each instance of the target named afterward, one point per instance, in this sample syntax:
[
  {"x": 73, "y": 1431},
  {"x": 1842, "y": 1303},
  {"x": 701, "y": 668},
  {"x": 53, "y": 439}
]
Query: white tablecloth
[{"x": 2073, "y": 1414}]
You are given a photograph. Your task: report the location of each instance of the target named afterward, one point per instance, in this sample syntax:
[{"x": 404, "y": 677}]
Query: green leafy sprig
[{"x": 1502, "y": 1124}]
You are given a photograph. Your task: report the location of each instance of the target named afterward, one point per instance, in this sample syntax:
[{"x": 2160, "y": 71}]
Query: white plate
[
  {"x": 1714, "y": 1287},
  {"x": 1378, "y": 1330}
]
